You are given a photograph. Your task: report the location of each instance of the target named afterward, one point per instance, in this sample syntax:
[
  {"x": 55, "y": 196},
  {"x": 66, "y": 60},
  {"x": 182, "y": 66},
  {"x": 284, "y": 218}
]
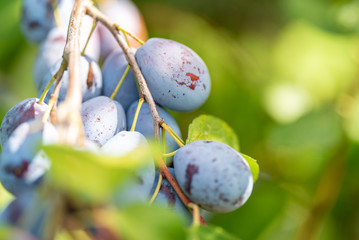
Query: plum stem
[
  {"x": 127, "y": 40},
  {"x": 140, "y": 102},
  {"x": 157, "y": 189},
  {"x": 164, "y": 145},
  {"x": 120, "y": 82},
  {"x": 56, "y": 77},
  {"x": 169, "y": 154},
  {"x": 196, "y": 214},
  {"x": 89, "y": 37},
  {"x": 57, "y": 18},
  {"x": 178, "y": 140},
  {"x": 167, "y": 174},
  {"x": 130, "y": 34},
  {"x": 130, "y": 57}
]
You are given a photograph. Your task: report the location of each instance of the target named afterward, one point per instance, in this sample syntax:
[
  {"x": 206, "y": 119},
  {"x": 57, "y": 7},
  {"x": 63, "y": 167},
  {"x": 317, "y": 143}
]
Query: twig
[
  {"x": 176, "y": 187},
  {"x": 144, "y": 93},
  {"x": 130, "y": 56},
  {"x": 69, "y": 112}
]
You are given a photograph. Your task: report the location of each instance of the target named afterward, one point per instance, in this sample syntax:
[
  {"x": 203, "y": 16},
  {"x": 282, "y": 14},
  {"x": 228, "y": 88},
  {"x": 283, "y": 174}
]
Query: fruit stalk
[{"x": 164, "y": 170}]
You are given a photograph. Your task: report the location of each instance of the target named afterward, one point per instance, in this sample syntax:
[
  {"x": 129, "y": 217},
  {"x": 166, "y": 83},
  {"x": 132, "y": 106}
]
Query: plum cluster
[{"x": 211, "y": 174}]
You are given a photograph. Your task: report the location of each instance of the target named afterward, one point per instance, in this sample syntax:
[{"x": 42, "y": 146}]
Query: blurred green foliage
[{"x": 285, "y": 79}]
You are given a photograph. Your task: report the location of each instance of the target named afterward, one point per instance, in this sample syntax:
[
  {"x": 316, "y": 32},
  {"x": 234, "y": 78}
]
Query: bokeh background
[{"x": 285, "y": 78}]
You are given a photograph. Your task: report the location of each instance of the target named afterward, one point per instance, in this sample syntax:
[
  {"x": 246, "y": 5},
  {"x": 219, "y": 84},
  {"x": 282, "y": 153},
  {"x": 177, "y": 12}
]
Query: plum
[
  {"x": 22, "y": 164},
  {"x": 139, "y": 189},
  {"x": 112, "y": 71},
  {"x": 176, "y": 76},
  {"x": 25, "y": 110},
  {"x": 91, "y": 80},
  {"x": 213, "y": 175},
  {"x": 145, "y": 123},
  {"x": 102, "y": 118}
]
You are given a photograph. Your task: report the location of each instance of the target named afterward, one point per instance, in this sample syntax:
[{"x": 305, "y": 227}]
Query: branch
[
  {"x": 130, "y": 56},
  {"x": 144, "y": 93},
  {"x": 69, "y": 112},
  {"x": 177, "y": 188}
]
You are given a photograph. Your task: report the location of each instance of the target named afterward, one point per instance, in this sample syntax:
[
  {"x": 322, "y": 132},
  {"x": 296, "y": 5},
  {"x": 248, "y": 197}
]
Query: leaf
[
  {"x": 151, "y": 223},
  {"x": 89, "y": 176},
  {"x": 209, "y": 233},
  {"x": 5, "y": 231},
  {"x": 253, "y": 165},
  {"x": 206, "y": 127}
]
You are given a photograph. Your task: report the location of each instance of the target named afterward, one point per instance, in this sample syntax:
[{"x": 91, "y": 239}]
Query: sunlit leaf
[
  {"x": 93, "y": 177},
  {"x": 253, "y": 166},
  {"x": 206, "y": 127},
  {"x": 151, "y": 223},
  {"x": 209, "y": 233}
]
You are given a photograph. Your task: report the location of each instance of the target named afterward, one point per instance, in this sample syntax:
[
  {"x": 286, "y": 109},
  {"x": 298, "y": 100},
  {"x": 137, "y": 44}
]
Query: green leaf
[
  {"x": 5, "y": 232},
  {"x": 151, "y": 223},
  {"x": 206, "y": 127},
  {"x": 209, "y": 233},
  {"x": 253, "y": 165},
  {"x": 93, "y": 177}
]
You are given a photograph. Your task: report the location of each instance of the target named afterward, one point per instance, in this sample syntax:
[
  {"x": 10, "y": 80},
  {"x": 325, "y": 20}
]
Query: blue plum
[
  {"x": 50, "y": 51},
  {"x": 176, "y": 76},
  {"x": 22, "y": 165},
  {"x": 37, "y": 17},
  {"x": 139, "y": 189},
  {"x": 102, "y": 118},
  {"x": 30, "y": 215},
  {"x": 145, "y": 123},
  {"x": 213, "y": 175},
  {"x": 112, "y": 71},
  {"x": 91, "y": 80},
  {"x": 126, "y": 14},
  {"x": 52, "y": 48},
  {"x": 168, "y": 197},
  {"x": 25, "y": 110}
]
